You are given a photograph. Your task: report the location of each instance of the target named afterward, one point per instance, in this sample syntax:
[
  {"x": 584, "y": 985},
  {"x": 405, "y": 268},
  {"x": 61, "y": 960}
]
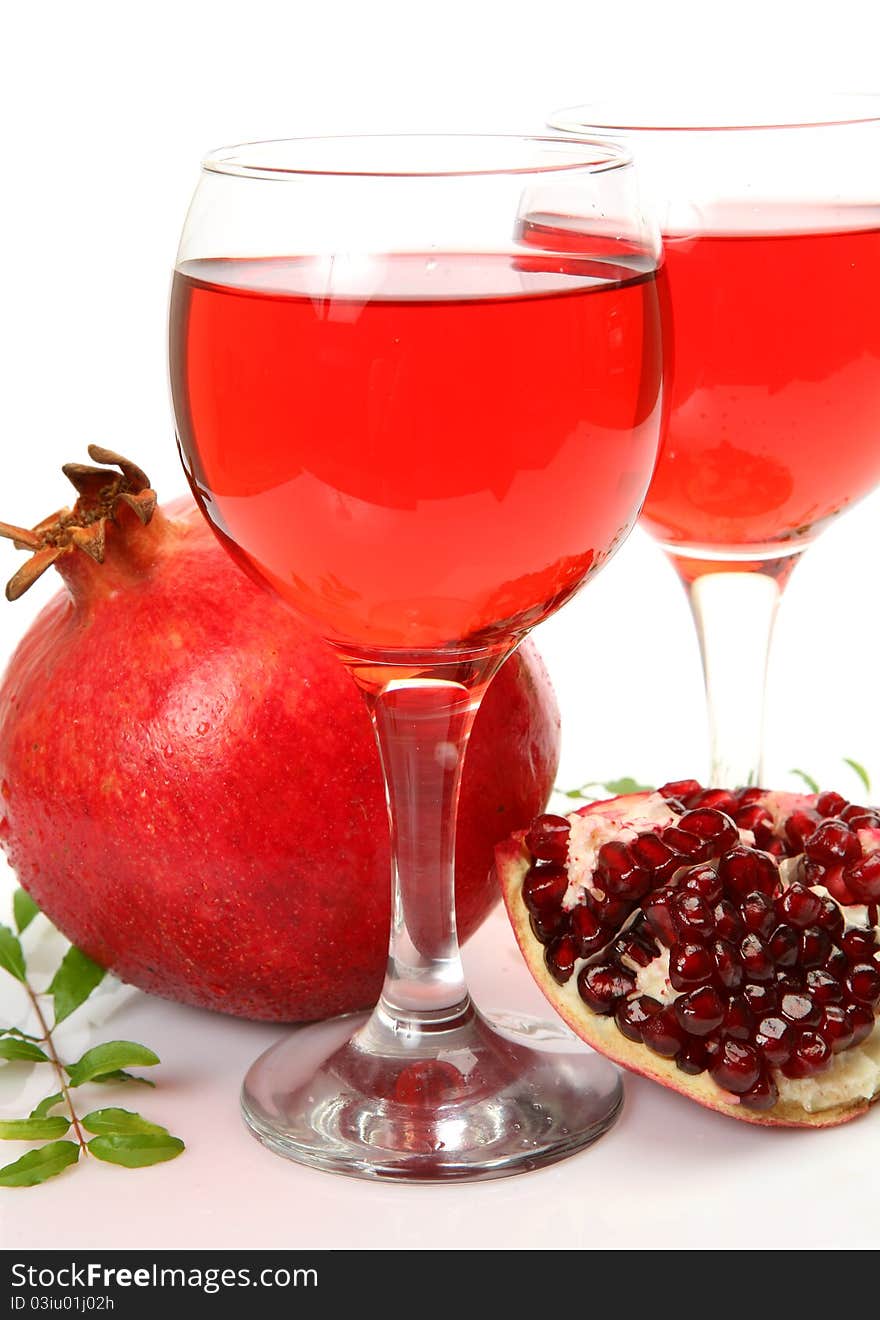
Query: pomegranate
[
  {"x": 722, "y": 943},
  {"x": 190, "y": 787}
]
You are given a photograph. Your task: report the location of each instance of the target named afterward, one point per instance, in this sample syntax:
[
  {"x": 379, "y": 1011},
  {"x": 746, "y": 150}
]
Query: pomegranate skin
[{"x": 191, "y": 790}]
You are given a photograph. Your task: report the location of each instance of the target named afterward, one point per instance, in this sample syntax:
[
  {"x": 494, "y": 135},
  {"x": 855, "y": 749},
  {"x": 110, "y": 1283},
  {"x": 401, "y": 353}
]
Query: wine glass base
[{"x": 487, "y": 1100}]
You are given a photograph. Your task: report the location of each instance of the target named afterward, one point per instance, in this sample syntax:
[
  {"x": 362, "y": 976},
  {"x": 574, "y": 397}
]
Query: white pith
[{"x": 852, "y": 1075}]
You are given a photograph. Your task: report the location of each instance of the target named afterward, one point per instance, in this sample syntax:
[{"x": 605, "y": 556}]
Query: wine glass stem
[
  {"x": 734, "y": 614},
  {"x": 422, "y": 727}
]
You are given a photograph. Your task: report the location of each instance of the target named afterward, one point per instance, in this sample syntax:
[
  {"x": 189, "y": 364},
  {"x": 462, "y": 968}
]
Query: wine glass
[
  {"x": 417, "y": 384},
  {"x": 771, "y": 226}
]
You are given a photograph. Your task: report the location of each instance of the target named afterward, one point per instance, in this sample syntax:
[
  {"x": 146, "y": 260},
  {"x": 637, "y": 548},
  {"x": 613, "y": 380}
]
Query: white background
[{"x": 106, "y": 110}]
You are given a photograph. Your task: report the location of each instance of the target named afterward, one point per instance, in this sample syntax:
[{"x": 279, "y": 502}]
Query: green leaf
[
  {"x": 11, "y": 956},
  {"x": 21, "y": 1051},
  {"x": 136, "y": 1150},
  {"x": 44, "y": 1106},
  {"x": 24, "y": 909},
  {"x": 860, "y": 771},
  {"x": 74, "y": 981},
  {"x": 614, "y": 787},
  {"x": 39, "y": 1165},
  {"x": 17, "y": 1031},
  {"x": 118, "y": 1075},
  {"x": 622, "y": 787},
  {"x": 33, "y": 1129},
  {"x": 106, "y": 1058},
  {"x": 120, "y": 1122},
  {"x": 808, "y": 780}
]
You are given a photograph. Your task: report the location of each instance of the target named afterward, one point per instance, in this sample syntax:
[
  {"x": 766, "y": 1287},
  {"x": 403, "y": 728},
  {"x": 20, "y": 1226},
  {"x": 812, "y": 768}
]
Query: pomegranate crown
[{"x": 100, "y": 491}]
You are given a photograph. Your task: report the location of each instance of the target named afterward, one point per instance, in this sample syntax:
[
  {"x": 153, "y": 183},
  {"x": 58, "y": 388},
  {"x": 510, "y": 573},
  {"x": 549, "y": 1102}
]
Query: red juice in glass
[
  {"x": 774, "y": 423},
  {"x": 418, "y": 452}
]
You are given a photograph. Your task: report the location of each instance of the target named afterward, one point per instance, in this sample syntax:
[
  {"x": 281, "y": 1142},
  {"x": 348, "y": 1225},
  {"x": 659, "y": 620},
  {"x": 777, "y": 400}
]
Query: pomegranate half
[
  {"x": 723, "y": 944},
  {"x": 190, "y": 785}
]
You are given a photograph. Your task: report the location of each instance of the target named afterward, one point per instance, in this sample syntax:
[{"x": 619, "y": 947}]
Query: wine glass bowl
[
  {"x": 771, "y": 225},
  {"x": 418, "y": 391}
]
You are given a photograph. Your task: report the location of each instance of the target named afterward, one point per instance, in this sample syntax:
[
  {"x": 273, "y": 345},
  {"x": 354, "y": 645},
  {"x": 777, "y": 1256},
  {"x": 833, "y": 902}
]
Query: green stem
[{"x": 58, "y": 1066}]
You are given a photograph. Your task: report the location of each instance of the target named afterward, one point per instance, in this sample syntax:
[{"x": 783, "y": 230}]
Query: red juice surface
[
  {"x": 418, "y": 452},
  {"x": 774, "y": 420}
]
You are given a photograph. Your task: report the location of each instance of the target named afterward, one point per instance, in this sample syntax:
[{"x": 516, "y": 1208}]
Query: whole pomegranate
[
  {"x": 722, "y": 943},
  {"x": 190, "y": 786}
]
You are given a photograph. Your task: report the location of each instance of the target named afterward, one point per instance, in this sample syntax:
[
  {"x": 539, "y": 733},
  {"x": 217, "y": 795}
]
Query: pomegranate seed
[
  {"x": 692, "y": 1058},
  {"x": 836, "y": 1029},
  {"x": 854, "y": 813},
  {"x": 618, "y": 874},
  {"x": 862, "y": 878},
  {"x": 703, "y": 880},
  {"x": 692, "y": 916},
  {"x": 758, "y": 913},
  {"x": 864, "y": 820},
  {"x": 653, "y": 855},
  {"x": 861, "y": 1019},
  {"x": 799, "y": 826},
  {"x": 716, "y": 827},
  {"x": 776, "y": 848},
  {"x": 774, "y": 1039},
  {"x": 811, "y": 1054},
  {"x": 560, "y": 957},
  {"x": 700, "y": 1012},
  {"x": 658, "y": 914},
  {"x": 831, "y": 842},
  {"x": 832, "y": 879},
  {"x": 600, "y": 985},
  {"x": 863, "y": 983},
  {"x": 830, "y": 804},
  {"x": 632, "y": 951},
  {"x": 547, "y": 927},
  {"x": 728, "y": 963},
  {"x": 822, "y": 987},
  {"x": 859, "y": 945},
  {"x": 785, "y": 945},
  {"x": 680, "y": 788},
  {"x": 799, "y": 1010},
  {"x": 588, "y": 930},
  {"x": 612, "y": 911},
  {"x": 547, "y": 838},
  {"x": 837, "y": 964},
  {"x": 631, "y": 1015},
  {"x": 747, "y": 796},
  {"x": 831, "y": 918},
  {"x": 756, "y": 958},
  {"x": 662, "y": 1033},
  {"x": 728, "y": 922},
  {"x": 798, "y": 906},
  {"x": 762, "y": 999},
  {"x": 739, "y": 1020},
  {"x": 763, "y": 1095},
  {"x": 544, "y": 887},
  {"x": 815, "y": 947},
  {"x": 719, "y": 799},
  {"x": 737, "y": 1067},
  {"x": 755, "y": 818},
  {"x": 743, "y": 870},
  {"x": 690, "y": 965},
  {"x": 687, "y": 845},
  {"x": 791, "y": 982}
]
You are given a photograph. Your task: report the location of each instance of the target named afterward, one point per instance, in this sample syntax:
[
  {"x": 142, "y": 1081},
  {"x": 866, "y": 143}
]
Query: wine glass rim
[
  {"x": 243, "y": 160},
  {"x": 606, "y": 116}
]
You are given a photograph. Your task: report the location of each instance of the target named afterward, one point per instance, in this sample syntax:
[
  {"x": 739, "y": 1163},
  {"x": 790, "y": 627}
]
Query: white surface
[{"x": 113, "y": 106}]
